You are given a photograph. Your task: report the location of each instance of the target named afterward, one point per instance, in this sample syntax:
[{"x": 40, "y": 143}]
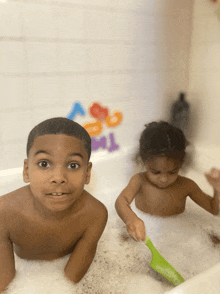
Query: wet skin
[
  {"x": 161, "y": 191},
  {"x": 53, "y": 215}
]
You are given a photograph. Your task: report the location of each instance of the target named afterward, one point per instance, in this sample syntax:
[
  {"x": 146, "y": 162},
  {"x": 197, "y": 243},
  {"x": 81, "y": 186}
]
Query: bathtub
[
  {"x": 204, "y": 158},
  {"x": 121, "y": 265}
]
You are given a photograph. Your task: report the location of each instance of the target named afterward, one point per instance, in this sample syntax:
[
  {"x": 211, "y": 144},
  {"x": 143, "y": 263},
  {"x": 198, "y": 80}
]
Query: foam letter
[
  {"x": 113, "y": 146},
  {"x": 76, "y": 109},
  {"x": 99, "y": 112},
  {"x": 114, "y": 119},
  {"x": 98, "y": 143},
  {"x": 94, "y": 128}
]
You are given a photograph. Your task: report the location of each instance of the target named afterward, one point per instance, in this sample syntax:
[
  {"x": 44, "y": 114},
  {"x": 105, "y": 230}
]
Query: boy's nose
[{"x": 58, "y": 176}]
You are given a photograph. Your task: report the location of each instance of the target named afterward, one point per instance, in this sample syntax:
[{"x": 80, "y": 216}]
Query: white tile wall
[
  {"x": 72, "y": 57},
  {"x": 129, "y": 55},
  {"x": 13, "y": 92},
  {"x": 38, "y": 21},
  {"x": 70, "y": 23},
  {"x": 111, "y": 57},
  {"x": 72, "y": 88},
  {"x": 13, "y": 154},
  {"x": 43, "y": 91},
  {"x": 43, "y": 113},
  {"x": 16, "y": 125},
  {"x": 42, "y": 57},
  {"x": 12, "y": 57},
  {"x": 101, "y": 25},
  {"x": 204, "y": 74},
  {"x": 10, "y": 23}
]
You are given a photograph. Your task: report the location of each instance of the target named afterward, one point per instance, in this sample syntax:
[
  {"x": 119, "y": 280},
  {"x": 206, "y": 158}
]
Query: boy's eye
[
  {"x": 73, "y": 165},
  {"x": 43, "y": 164}
]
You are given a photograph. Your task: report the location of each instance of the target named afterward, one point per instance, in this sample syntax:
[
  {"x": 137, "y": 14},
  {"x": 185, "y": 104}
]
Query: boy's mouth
[{"x": 57, "y": 194}]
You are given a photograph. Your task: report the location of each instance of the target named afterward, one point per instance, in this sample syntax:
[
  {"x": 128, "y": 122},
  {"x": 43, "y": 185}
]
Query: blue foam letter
[{"x": 76, "y": 109}]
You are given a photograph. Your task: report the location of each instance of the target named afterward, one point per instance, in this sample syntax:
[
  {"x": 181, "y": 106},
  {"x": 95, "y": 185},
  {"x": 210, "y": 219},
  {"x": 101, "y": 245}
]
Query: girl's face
[{"x": 162, "y": 172}]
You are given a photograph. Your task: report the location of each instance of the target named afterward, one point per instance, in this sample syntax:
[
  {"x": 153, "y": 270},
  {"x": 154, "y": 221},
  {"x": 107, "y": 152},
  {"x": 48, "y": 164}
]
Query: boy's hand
[
  {"x": 136, "y": 230},
  {"x": 213, "y": 178}
]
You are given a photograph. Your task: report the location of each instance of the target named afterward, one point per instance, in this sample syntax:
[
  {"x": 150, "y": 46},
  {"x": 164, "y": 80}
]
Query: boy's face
[
  {"x": 162, "y": 172},
  {"x": 57, "y": 169}
]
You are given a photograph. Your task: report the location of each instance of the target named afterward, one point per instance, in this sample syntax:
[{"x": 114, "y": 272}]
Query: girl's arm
[
  {"x": 213, "y": 178},
  {"x": 211, "y": 204},
  {"x": 135, "y": 226}
]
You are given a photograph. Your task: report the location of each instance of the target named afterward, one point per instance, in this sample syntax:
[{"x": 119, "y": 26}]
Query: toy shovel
[{"x": 159, "y": 264}]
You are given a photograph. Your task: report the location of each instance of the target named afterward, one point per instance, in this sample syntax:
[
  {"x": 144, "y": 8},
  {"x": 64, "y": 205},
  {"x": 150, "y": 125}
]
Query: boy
[{"x": 52, "y": 216}]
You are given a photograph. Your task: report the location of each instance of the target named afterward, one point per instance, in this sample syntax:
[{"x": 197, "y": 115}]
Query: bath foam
[
  {"x": 184, "y": 240},
  {"x": 119, "y": 263},
  {"x": 122, "y": 265}
]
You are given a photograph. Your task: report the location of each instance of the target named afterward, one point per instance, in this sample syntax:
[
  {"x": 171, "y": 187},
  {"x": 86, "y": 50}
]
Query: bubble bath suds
[{"x": 122, "y": 265}]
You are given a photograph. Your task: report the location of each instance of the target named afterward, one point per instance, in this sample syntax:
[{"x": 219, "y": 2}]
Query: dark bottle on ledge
[{"x": 180, "y": 114}]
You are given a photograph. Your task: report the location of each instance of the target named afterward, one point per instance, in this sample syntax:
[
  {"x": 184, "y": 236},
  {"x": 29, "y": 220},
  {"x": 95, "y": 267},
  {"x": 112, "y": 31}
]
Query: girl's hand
[
  {"x": 136, "y": 230},
  {"x": 213, "y": 178}
]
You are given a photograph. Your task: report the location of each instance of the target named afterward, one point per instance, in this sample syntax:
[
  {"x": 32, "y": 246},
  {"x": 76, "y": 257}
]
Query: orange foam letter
[
  {"x": 113, "y": 120},
  {"x": 94, "y": 128}
]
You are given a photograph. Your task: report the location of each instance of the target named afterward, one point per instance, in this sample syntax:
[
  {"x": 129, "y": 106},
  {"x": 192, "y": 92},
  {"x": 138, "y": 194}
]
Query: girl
[{"x": 160, "y": 190}]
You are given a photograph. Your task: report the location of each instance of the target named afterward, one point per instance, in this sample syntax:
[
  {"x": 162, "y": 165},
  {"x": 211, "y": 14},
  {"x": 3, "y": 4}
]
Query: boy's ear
[
  {"x": 88, "y": 173},
  {"x": 25, "y": 172}
]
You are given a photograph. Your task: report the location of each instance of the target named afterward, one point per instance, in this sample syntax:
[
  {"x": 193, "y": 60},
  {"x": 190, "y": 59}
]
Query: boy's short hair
[{"x": 59, "y": 125}]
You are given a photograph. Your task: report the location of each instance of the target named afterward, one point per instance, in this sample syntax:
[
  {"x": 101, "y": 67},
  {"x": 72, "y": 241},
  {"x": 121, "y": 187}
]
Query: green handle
[
  {"x": 150, "y": 245},
  {"x": 159, "y": 264},
  {"x": 147, "y": 238}
]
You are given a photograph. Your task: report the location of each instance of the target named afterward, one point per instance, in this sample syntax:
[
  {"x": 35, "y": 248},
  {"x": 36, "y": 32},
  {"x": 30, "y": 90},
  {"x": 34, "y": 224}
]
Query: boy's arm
[
  {"x": 135, "y": 226},
  {"x": 7, "y": 264},
  {"x": 84, "y": 251},
  {"x": 211, "y": 204}
]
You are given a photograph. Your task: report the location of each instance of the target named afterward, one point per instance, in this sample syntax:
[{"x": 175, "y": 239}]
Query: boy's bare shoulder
[
  {"x": 94, "y": 207},
  {"x": 13, "y": 200},
  {"x": 11, "y": 205}
]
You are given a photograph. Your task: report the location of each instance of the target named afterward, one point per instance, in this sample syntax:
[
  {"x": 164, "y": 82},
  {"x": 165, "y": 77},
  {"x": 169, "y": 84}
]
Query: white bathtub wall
[
  {"x": 204, "y": 87},
  {"x": 130, "y": 55}
]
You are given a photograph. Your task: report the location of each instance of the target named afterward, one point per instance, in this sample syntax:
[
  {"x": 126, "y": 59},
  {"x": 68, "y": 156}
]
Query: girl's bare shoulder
[
  {"x": 186, "y": 182},
  {"x": 137, "y": 180},
  {"x": 139, "y": 177}
]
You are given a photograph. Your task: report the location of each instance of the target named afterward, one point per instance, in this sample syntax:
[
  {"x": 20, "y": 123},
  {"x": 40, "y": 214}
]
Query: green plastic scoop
[{"x": 159, "y": 264}]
